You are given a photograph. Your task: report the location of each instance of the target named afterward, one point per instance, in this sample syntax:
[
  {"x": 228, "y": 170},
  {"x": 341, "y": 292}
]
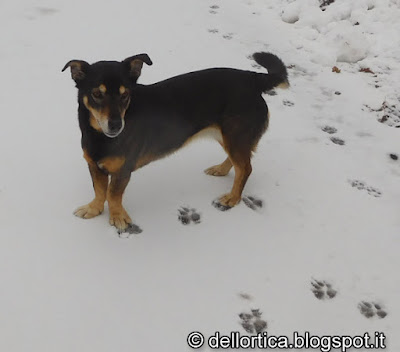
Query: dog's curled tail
[{"x": 277, "y": 74}]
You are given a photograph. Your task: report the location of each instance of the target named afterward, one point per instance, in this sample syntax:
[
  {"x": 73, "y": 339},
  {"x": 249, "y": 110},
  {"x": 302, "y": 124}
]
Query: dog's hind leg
[
  {"x": 239, "y": 143},
  {"x": 220, "y": 169},
  {"x": 240, "y": 160},
  {"x": 100, "y": 184}
]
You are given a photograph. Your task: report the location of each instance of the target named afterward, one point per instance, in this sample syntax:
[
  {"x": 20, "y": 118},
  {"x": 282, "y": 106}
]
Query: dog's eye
[
  {"x": 97, "y": 95},
  {"x": 124, "y": 95}
]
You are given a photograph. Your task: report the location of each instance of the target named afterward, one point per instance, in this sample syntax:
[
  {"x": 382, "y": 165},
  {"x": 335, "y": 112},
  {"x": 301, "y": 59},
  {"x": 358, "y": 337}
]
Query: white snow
[
  {"x": 74, "y": 285},
  {"x": 350, "y": 45},
  {"x": 291, "y": 13}
]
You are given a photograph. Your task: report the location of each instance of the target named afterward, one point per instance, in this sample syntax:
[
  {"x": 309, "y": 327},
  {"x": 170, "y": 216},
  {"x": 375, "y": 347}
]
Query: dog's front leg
[
  {"x": 100, "y": 184},
  {"x": 118, "y": 215}
]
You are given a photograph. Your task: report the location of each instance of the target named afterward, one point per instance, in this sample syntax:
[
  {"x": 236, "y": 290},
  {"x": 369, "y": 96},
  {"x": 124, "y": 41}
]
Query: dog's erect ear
[
  {"x": 135, "y": 64},
  {"x": 79, "y": 69}
]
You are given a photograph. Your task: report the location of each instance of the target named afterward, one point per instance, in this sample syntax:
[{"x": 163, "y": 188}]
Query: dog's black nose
[{"x": 114, "y": 125}]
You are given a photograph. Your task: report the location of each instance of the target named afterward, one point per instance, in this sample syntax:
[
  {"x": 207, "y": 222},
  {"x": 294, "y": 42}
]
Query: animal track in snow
[
  {"x": 252, "y": 202},
  {"x": 323, "y": 4},
  {"x": 288, "y": 103},
  {"x": 245, "y": 296},
  {"x": 228, "y": 36},
  {"x": 46, "y": 11},
  {"x": 252, "y": 322},
  {"x": 188, "y": 215},
  {"x": 391, "y": 114},
  {"x": 33, "y": 13},
  {"x": 338, "y": 141},
  {"x": 322, "y": 289},
  {"x": 329, "y": 129},
  {"x": 132, "y": 229},
  {"x": 253, "y": 63},
  {"x": 298, "y": 71},
  {"x": 213, "y": 9},
  {"x": 372, "y": 191},
  {"x": 371, "y": 309}
]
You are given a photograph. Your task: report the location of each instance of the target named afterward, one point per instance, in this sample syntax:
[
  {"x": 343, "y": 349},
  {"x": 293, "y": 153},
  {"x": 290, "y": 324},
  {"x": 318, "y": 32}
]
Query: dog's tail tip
[
  {"x": 277, "y": 71},
  {"x": 284, "y": 85}
]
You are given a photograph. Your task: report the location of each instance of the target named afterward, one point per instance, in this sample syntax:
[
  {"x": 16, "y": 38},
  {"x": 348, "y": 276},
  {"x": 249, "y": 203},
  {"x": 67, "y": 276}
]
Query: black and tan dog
[{"x": 126, "y": 125}]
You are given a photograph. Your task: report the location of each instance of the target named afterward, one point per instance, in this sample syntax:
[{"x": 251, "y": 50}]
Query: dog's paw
[
  {"x": 89, "y": 211},
  {"x": 216, "y": 170},
  {"x": 226, "y": 202},
  {"x": 229, "y": 200},
  {"x": 219, "y": 206},
  {"x": 120, "y": 219}
]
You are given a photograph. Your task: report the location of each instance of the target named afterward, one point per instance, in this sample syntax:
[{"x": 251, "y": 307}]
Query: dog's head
[{"x": 105, "y": 90}]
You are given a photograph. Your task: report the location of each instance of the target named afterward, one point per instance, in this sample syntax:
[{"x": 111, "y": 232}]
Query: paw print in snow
[
  {"x": 252, "y": 202},
  {"x": 371, "y": 309},
  {"x": 372, "y": 191},
  {"x": 329, "y": 129},
  {"x": 252, "y": 322},
  {"x": 228, "y": 36},
  {"x": 338, "y": 141},
  {"x": 288, "y": 103},
  {"x": 322, "y": 290},
  {"x": 188, "y": 215}
]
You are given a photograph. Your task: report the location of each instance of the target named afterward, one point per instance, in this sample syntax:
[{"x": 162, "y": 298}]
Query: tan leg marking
[
  {"x": 221, "y": 169},
  {"x": 100, "y": 184},
  {"x": 242, "y": 173},
  {"x": 240, "y": 159},
  {"x": 118, "y": 215},
  {"x": 102, "y": 88}
]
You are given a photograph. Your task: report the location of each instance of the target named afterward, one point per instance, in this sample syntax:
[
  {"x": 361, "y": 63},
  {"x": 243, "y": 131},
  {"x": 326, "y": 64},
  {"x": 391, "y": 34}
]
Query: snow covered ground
[{"x": 330, "y": 187}]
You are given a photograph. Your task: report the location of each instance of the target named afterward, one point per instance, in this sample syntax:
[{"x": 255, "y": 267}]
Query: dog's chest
[{"x": 111, "y": 164}]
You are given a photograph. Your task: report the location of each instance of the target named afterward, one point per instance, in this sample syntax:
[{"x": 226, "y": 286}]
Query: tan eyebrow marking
[
  {"x": 122, "y": 90},
  {"x": 102, "y": 88}
]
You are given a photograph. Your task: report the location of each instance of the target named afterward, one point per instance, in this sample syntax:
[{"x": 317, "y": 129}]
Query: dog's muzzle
[{"x": 115, "y": 127}]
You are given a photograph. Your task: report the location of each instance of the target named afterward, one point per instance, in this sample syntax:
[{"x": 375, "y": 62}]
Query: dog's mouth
[{"x": 112, "y": 135}]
